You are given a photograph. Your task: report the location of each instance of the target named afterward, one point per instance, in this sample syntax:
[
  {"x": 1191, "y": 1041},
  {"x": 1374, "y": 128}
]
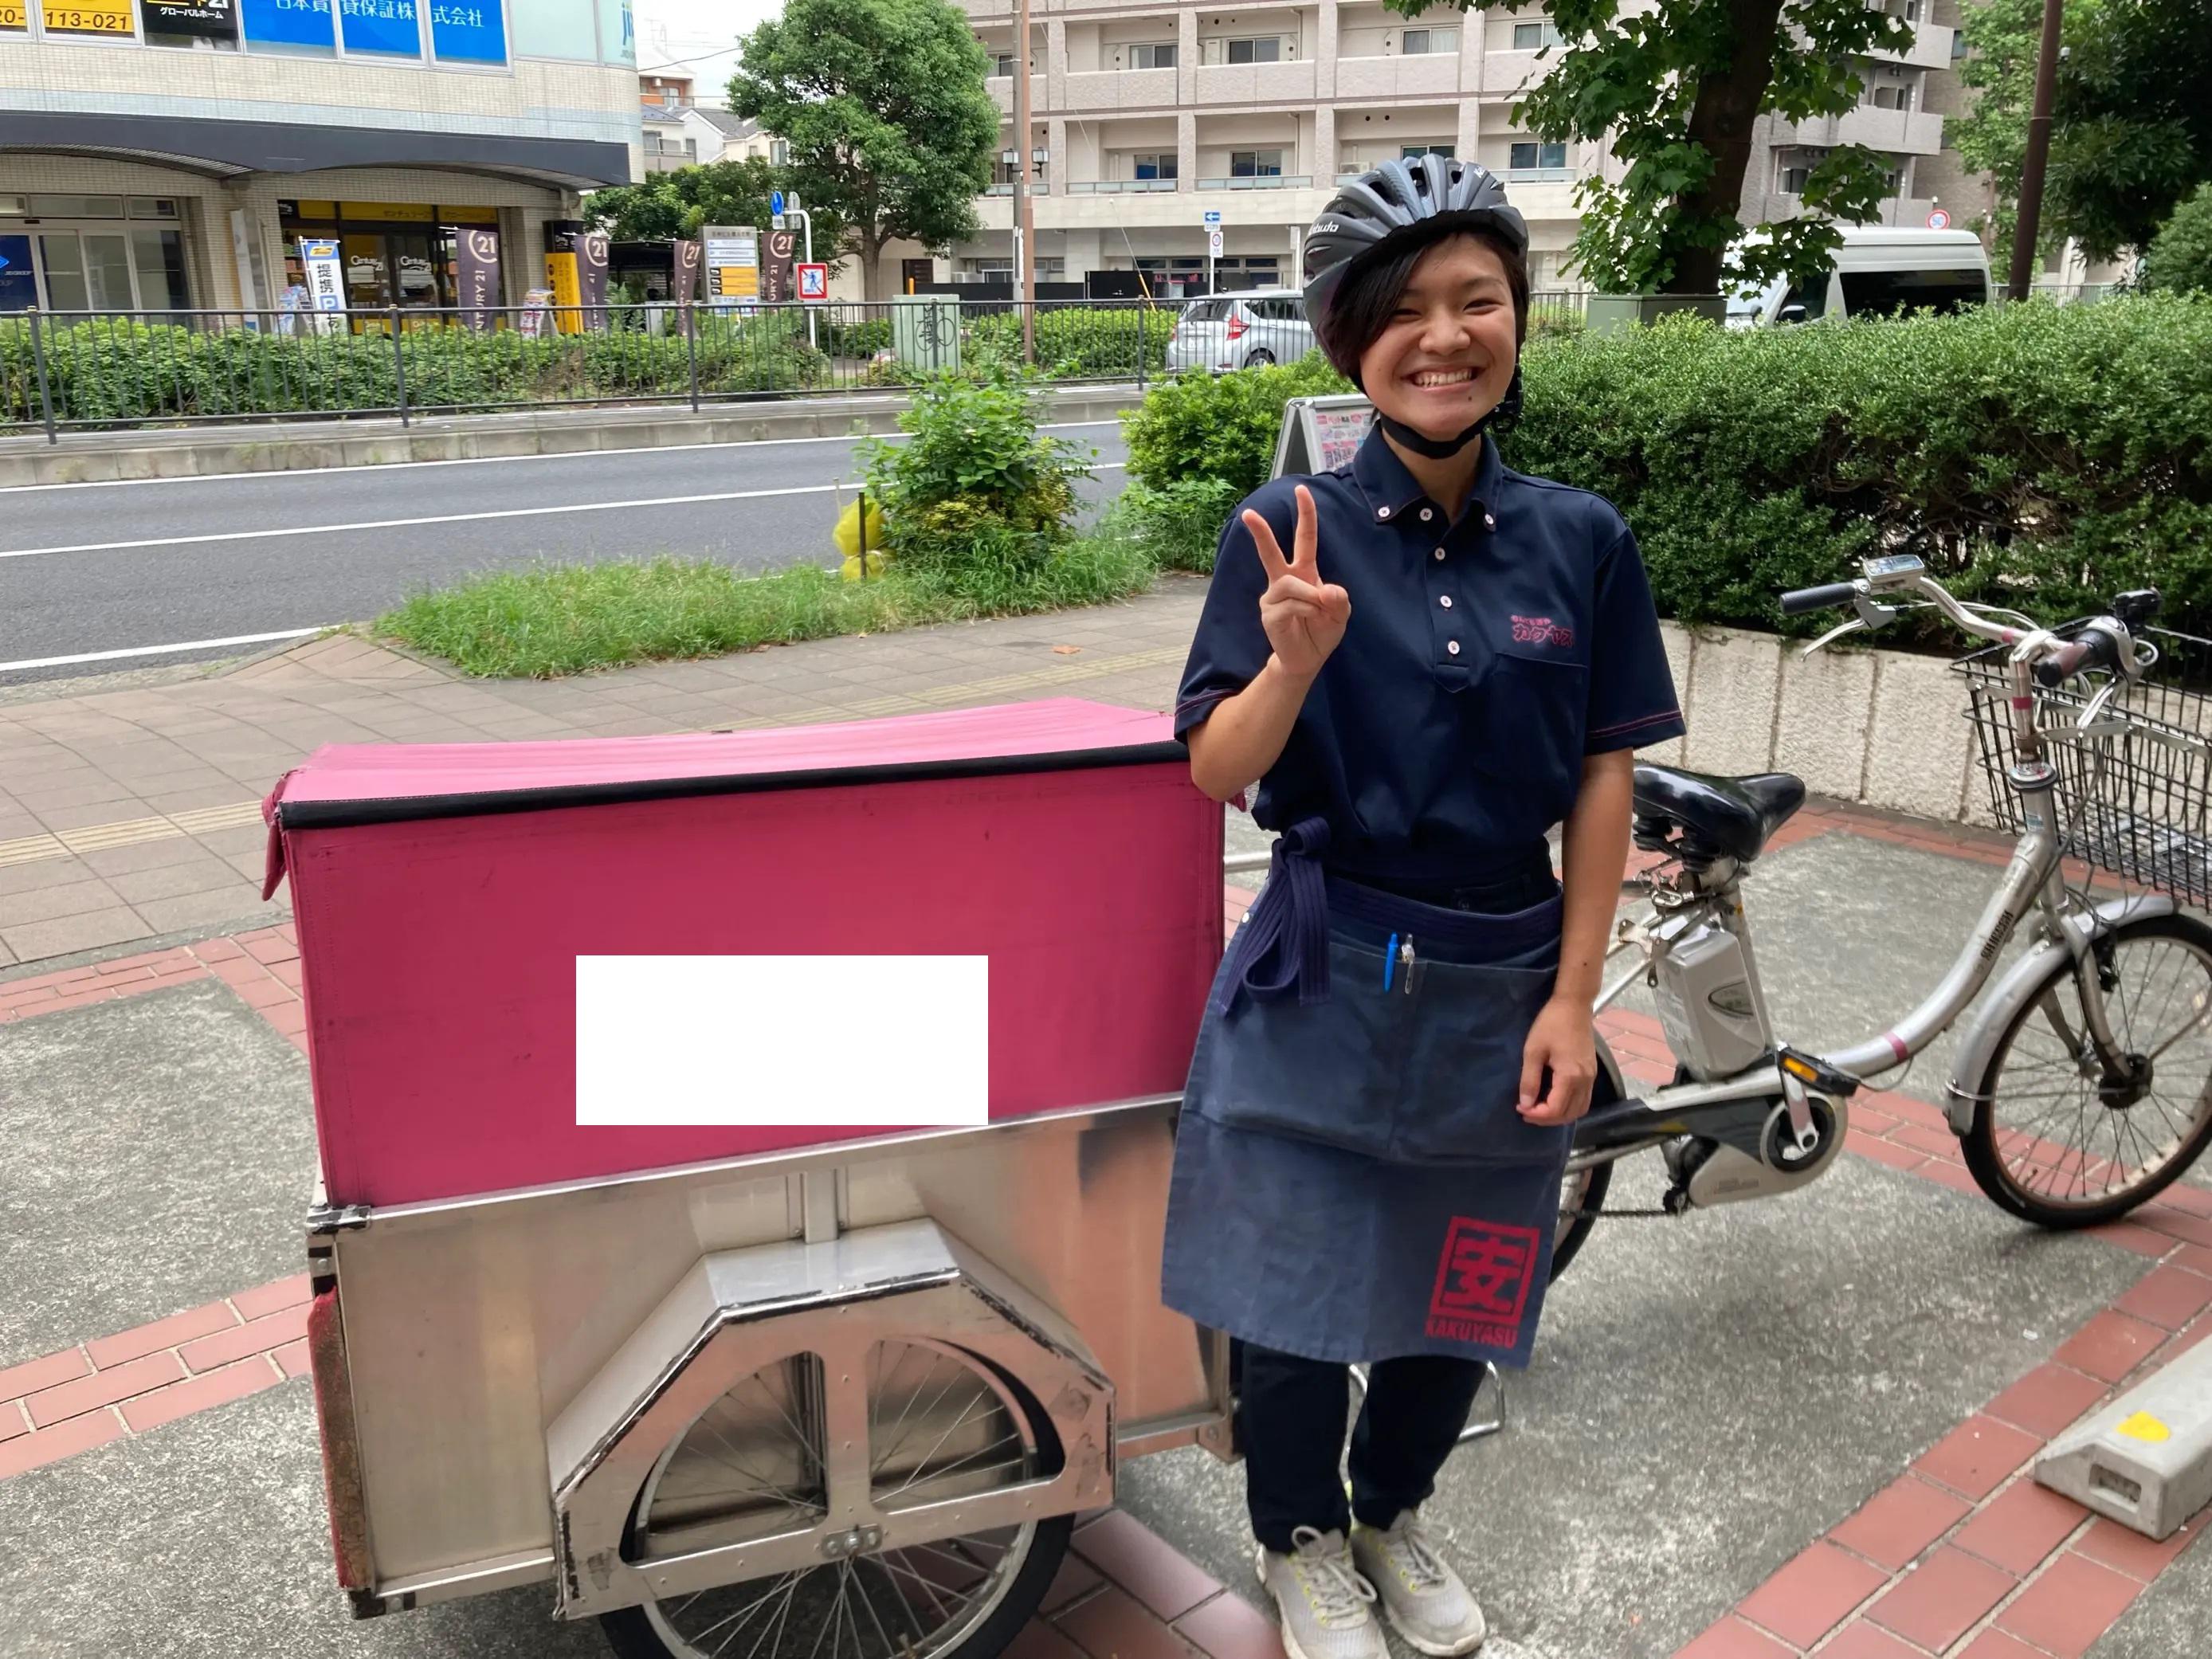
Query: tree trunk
[
  {"x": 1721, "y": 120},
  {"x": 871, "y": 263}
]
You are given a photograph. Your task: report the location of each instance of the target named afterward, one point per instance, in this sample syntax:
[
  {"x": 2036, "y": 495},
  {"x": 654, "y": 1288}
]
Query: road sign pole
[{"x": 806, "y": 229}]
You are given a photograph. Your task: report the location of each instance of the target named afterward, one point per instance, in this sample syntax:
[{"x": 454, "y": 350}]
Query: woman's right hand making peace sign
[{"x": 1303, "y": 616}]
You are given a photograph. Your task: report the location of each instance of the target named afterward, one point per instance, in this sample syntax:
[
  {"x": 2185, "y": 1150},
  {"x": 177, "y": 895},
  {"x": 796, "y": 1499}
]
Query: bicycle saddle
[{"x": 1731, "y": 817}]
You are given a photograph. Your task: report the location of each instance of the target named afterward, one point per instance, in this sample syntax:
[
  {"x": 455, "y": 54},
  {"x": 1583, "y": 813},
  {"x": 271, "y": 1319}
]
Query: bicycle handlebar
[
  {"x": 2096, "y": 646},
  {"x": 1798, "y": 601}
]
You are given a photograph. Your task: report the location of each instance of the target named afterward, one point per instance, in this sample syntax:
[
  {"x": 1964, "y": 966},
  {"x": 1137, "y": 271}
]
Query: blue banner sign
[
  {"x": 468, "y": 31},
  {"x": 290, "y": 23},
  {"x": 388, "y": 28}
]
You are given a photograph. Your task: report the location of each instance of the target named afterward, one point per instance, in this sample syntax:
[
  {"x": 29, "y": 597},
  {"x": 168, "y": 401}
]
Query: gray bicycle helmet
[{"x": 1396, "y": 205}]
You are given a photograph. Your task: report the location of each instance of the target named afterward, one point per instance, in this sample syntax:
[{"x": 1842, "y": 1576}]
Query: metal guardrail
[{"x": 64, "y": 370}]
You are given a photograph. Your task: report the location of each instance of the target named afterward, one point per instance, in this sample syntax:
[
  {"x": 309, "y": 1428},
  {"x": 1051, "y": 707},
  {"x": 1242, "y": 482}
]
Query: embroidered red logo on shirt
[
  {"x": 1482, "y": 1283},
  {"x": 1541, "y": 630}
]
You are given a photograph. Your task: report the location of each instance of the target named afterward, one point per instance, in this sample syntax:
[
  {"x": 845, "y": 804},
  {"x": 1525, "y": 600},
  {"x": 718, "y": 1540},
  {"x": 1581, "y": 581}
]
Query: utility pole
[
  {"x": 1024, "y": 266},
  {"x": 2021, "y": 282}
]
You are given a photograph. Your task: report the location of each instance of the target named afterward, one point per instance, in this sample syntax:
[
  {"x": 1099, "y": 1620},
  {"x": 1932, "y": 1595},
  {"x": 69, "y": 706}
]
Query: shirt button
[
  {"x": 1452, "y": 647},
  {"x": 1440, "y": 553},
  {"x": 1489, "y": 522},
  {"x": 1427, "y": 516},
  {"x": 1445, "y": 599},
  {"x": 1382, "y": 512}
]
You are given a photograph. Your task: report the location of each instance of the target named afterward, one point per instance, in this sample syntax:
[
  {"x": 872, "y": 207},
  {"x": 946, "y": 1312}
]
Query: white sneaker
[
  {"x": 1326, "y": 1606},
  {"x": 1422, "y": 1597}
]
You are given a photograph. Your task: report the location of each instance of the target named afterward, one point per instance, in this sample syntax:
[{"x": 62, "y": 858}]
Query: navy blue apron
[{"x": 1351, "y": 1180}]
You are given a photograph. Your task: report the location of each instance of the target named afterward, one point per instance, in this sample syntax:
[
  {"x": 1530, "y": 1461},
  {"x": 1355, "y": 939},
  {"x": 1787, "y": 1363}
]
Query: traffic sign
[
  {"x": 1213, "y": 242},
  {"x": 1938, "y": 219},
  {"x": 1213, "y": 215},
  {"x": 776, "y": 204},
  {"x": 775, "y": 221},
  {"x": 813, "y": 282}
]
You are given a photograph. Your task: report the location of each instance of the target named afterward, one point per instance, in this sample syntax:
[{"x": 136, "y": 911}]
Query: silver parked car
[{"x": 1241, "y": 330}]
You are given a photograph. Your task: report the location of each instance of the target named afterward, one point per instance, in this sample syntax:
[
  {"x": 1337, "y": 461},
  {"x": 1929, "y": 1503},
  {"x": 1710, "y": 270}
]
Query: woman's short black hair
[{"x": 1363, "y": 305}]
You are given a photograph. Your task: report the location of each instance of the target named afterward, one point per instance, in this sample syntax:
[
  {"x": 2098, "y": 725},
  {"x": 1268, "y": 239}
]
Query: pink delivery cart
[{"x": 763, "y": 1391}]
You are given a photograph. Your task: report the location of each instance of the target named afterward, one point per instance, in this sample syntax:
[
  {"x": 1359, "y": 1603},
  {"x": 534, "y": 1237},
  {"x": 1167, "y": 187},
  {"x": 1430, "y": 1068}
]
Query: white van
[{"x": 1878, "y": 271}]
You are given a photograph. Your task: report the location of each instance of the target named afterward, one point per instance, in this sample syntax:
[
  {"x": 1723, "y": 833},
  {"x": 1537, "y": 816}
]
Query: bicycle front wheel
[{"x": 2063, "y": 1139}]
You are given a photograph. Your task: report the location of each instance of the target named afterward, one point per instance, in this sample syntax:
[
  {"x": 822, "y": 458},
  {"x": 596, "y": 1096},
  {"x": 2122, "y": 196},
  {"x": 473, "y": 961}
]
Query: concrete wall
[{"x": 1883, "y": 728}]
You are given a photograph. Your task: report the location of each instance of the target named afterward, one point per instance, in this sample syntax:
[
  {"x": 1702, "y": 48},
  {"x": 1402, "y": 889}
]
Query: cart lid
[{"x": 344, "y": 784}]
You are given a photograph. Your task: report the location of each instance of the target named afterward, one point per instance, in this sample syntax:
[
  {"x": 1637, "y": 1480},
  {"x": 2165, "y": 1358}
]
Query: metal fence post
[
  {"x": 691, "y": 347},
  {"x": 863, "y": 528},
  {"x": 398, "y": 364},
  {"x": 1142, "y": 355},
  {"x": 45, "y": 392}
]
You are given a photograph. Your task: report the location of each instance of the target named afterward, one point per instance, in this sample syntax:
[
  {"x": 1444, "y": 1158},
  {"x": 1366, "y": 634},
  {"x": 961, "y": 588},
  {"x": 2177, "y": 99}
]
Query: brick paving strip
[{"x": 1963, "y": 1555}]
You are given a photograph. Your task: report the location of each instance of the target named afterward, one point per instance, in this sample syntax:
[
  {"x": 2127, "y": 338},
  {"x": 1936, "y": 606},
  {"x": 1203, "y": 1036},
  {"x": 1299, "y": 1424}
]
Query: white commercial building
[{"x": 170, "y": 153}]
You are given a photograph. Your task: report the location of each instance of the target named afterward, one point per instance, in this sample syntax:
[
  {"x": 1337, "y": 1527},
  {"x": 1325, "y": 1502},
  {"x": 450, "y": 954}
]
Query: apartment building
[
  {"x": 1902, "y": 103},
  {"x": 1148, "y": 116},
  {"x": 171, "y": 154}
]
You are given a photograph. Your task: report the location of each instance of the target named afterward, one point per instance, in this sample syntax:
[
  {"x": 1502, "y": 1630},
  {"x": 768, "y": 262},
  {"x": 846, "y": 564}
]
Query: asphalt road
[{"x": 120, "y": 576}]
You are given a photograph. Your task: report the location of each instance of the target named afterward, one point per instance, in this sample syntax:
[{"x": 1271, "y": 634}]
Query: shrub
[
  {"x": 2037, "y": 455},
  {"x": 1219, "y": 427},
  {"x": 2180, "y": 258},
  {"x": 1179, "y": 524},
  {"x": 975, "y": 482}
]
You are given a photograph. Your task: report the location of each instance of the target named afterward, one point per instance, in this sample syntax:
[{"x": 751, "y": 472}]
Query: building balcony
[
  {"x": 1121, "y": 187},
  {"x": 1505, "y": 72},
  {"x": 1900, "y": 133},
  {"x": 1265, "y": 181},
  {"x": 1426, "y": 75},
  {"x": 1909, "y": 211},
  {"x": 1220, "y": 84},
  {"x": 1141, "y": 88},
  {"x": 667, "y": 162},
  {"x": 1930, "y": 48}
]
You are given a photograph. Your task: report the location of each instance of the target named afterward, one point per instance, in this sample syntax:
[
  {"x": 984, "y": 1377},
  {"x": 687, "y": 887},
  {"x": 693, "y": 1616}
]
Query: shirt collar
[{"x": 1392, "y": 492}]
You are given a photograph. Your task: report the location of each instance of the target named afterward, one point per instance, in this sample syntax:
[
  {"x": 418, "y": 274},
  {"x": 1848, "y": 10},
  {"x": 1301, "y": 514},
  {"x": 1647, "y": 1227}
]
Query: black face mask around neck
[{"x": 1508, "y": 410}]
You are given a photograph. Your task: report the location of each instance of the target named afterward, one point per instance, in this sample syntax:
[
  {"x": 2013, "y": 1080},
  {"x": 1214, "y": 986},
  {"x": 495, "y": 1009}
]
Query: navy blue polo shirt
[{"x": 1483, "y": 660}]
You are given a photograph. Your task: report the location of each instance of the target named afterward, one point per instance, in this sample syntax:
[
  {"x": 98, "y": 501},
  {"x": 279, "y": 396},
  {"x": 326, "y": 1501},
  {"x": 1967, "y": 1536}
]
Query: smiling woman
[{"x": 1450, "y": 658}]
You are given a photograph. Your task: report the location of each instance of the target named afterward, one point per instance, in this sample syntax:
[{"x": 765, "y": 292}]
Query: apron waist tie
[{"x": 1282, "y": 946}]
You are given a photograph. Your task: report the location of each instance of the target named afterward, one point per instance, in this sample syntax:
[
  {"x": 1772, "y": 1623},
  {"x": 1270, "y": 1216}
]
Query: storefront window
[
  {"x": 410, "y": 265},
  {"x": 161, "y": 258},
  {"x": 86, "y": 270},
  {"x": 19, "y": 282}
]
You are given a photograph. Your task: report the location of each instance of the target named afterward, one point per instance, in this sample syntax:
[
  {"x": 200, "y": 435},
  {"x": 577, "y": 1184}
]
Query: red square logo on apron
[{"x": 1482, "y": 1283}]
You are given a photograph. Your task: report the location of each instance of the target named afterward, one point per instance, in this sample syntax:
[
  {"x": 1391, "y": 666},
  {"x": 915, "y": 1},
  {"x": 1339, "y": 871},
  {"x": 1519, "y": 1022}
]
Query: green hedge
[
  {"x": 124, "y": 371},
  {"x": 2038, "y": 455},
  {"x": 1087, "y": 342}
]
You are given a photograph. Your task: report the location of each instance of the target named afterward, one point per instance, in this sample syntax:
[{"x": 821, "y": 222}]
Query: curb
[{"x": 298, "y": 446}]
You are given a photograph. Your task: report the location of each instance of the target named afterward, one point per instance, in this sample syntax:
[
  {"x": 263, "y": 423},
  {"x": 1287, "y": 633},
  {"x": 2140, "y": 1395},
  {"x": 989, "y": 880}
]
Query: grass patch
[{"x": 572, "y": 618}]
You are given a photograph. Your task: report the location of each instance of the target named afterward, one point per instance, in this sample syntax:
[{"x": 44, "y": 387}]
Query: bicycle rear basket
[{"x": 2134, "y": 783}]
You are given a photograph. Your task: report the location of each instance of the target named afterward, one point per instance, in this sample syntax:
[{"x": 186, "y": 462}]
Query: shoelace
[
  {"x": 1332, "y": 1585},
  {"x": 1409, "y": 1549}
]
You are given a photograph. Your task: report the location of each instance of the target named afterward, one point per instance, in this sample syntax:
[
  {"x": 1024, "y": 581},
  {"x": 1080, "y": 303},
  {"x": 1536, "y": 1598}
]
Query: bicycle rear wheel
[{"x": 2060, "y": 1139}]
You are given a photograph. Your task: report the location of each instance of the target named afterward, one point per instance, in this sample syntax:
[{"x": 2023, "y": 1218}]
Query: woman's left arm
[{"x": 1596, "y": 852}]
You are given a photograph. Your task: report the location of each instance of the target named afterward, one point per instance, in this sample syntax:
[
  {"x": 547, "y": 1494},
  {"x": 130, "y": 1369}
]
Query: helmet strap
[{"x": 1436, "y": 449}]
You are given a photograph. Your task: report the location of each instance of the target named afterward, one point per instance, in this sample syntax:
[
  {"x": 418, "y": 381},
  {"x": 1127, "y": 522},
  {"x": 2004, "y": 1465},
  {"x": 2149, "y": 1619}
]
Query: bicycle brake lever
[{"x": 1854, "y": 625}]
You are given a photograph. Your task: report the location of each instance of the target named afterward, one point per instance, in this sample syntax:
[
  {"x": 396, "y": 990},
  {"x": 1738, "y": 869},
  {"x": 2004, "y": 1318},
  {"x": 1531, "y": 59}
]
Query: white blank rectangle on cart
[{"x": 783, "y": 1042}]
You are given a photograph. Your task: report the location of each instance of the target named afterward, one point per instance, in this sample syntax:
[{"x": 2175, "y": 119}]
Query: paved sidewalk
[{"x": 132, "y": 812}]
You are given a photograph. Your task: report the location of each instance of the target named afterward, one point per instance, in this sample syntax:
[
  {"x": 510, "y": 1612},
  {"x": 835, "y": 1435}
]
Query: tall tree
[
  {"x": 883, "y": 103},
  {"x": 1672, "y": 88},
  {"x": 2131, "y": 120}
]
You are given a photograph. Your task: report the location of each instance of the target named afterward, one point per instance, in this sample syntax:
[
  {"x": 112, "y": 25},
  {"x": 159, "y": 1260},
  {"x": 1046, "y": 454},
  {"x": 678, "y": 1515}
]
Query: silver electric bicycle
[{"x": 2082, "y": 1085}]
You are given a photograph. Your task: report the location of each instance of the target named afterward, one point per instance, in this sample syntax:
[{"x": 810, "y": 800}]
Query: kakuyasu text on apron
[{"x": 1353, "y": 1182}]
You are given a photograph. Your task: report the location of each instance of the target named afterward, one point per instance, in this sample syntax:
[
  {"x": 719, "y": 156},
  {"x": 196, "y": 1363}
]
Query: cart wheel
[{"x": 943, "y": 1423}]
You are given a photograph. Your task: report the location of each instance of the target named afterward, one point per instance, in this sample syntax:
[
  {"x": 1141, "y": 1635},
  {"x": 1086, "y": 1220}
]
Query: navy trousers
[{"x": 1293, "y": 1413}]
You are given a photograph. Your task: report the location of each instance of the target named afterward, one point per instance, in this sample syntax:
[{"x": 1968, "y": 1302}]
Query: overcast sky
[{"x": 701, "y": 35}]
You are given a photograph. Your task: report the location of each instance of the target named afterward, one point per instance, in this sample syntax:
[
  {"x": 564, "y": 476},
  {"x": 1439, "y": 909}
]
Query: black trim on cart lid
[{"x": 407, "y": 809}]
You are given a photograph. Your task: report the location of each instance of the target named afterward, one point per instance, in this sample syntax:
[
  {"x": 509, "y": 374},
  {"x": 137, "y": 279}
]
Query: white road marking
[
  {"x": 160, "y": 650},
  {"x": 323, "y": 472},
  {"x": 440, "y": 518}
]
